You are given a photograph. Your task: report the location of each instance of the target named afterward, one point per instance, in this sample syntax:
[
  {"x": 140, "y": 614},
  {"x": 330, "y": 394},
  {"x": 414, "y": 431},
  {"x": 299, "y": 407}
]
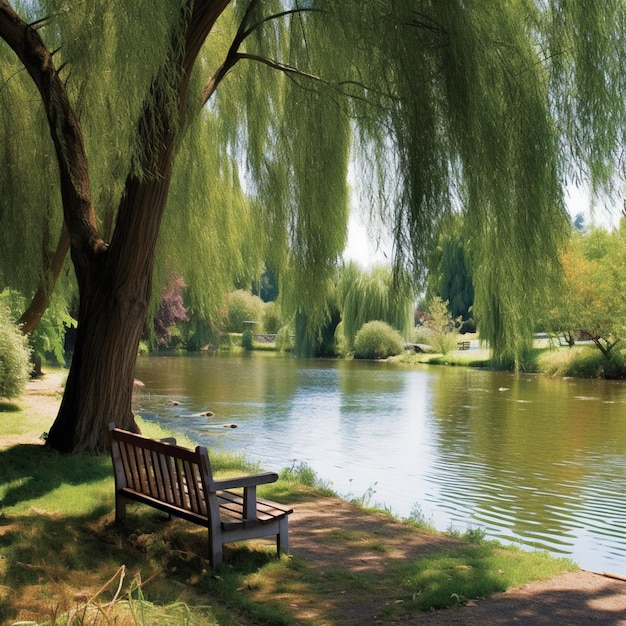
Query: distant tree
[
  {"x": 578, "y": 222},
  {"x": 449, "y": 275},
  {"x": 267, "y": 286},
  {"x": 376, "y": 295},
  {"x": 443, "y": 328},
  {"x": 171, "y": 310},
  {"x": 591, "y": 302}
]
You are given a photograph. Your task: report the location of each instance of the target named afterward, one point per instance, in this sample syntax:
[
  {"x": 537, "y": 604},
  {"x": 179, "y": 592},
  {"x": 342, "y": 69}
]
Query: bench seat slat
[{"x": 234, "y": 501}]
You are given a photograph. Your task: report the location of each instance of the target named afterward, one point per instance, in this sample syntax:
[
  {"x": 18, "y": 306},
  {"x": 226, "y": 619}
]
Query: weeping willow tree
[
  {"x": 376, "y": 295},
  {"x": 204, "y": 136}
]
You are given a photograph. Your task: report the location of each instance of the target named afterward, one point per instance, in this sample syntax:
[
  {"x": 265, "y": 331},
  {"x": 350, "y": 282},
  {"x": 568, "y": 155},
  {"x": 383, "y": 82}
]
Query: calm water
[{"x": 530, "y": 460}]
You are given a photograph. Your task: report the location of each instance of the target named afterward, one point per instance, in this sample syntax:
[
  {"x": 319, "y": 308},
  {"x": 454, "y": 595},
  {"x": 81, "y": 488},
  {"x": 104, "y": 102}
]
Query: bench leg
[
  {"x": 215, "y": 550},
  {"x": 120, "y": 508},
  {"x": 282, "y": 538}
]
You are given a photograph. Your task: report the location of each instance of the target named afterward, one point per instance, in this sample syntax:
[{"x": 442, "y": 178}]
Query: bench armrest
[
  {"x": 249, "y": 484},
  {"x": 251, "y": 480}
]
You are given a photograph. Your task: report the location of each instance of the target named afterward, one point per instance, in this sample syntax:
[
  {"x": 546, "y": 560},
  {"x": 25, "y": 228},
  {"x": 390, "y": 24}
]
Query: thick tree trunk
[
  {"x": 99, "y": 385},
  {"x": 115, "y": 291}
]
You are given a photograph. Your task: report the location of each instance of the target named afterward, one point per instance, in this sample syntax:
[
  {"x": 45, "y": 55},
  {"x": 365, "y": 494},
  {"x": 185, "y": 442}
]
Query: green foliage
[
  {"x": 272, "y": 320},
  {"x": 284, "y": 339},
  {"x": 583, "y": 362},
  {"x": 443, "y": 329},
  {"x": 200, "y": 334},
  {"x": 47, "y": 340},
  {"x": 449, "y": 274},
  {"x": 14, "y": 356},
  {"x": 590, "y": 303},
  {"x": 418, "y": 519},
  {"x": 305, "y": 476},
  {"x": 242, "y": 307},
  {"x": 377, "y": 340},
  {"x": 374, "y": 295}
]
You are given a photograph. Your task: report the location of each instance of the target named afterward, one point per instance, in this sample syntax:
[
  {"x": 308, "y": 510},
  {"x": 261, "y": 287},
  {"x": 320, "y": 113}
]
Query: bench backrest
[{"x": 168, "y": 473}]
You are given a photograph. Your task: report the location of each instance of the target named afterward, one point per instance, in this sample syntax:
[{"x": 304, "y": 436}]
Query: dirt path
[{"x": 571, "y": 599}]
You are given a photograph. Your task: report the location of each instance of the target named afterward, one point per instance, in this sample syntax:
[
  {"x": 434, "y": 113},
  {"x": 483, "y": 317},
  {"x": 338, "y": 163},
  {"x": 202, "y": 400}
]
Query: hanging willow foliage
[{"x": 457, "y": 106}]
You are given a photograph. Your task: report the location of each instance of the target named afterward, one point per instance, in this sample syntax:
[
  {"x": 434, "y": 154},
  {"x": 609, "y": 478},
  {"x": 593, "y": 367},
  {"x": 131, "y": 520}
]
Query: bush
[
  {"x": 14, "y": 356},
  {"x": 247, "y": 340},
  {"x": 47, "y": 340},
  {"x": 271, "y": 318},
  {"x": 242, "y": 307},
  {"x": 583, "y": 362},
  {"x": 377, "y": 340}
]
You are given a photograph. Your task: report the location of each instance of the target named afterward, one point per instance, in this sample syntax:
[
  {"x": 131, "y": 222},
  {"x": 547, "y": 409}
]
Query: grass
[
  {"x": 470, "y": 571},
  {"x": 64, "y": 561}
]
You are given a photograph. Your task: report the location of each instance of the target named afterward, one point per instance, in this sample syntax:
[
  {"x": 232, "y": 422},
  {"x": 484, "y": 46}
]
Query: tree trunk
[
  {"x": 115, "y": 288},
  {"x": 99, "y": 385}
]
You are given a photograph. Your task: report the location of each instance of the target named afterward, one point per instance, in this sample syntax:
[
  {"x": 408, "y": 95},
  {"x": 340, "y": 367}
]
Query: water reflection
[{"x": 536, "y": 461}]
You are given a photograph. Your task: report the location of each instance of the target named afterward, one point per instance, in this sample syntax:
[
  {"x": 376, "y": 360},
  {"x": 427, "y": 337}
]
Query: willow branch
[
  {"x": 233, "y": 55},
  {"x": 64, "y": 129},
  {"x": 32, "y": 316}
]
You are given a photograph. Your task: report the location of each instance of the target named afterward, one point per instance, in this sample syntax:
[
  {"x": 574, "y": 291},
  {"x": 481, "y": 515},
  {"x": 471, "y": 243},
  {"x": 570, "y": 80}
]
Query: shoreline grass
[{"x": 63, "y": 559}]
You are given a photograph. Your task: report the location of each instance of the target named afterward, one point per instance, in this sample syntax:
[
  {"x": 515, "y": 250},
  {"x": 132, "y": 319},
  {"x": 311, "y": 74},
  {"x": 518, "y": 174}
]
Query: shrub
[
  {"x": 14, "y": 356},
  {"x": 242, "y": 307},
  {"x": 377, "y": 340},
  {"x": 271, "y": 318},
  {"x": 47, "y": 340},
  {"x": 247, "y": 340},
  {"x": 583, "y": 362}
]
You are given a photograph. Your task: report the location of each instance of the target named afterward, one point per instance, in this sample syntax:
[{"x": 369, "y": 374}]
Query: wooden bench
[
  {"x": 464, "y": 345},
  {"x": 179, "y": 481}
]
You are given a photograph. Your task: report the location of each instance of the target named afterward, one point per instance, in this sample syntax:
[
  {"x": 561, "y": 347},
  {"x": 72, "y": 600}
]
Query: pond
[{"x": 536, "y": 461}]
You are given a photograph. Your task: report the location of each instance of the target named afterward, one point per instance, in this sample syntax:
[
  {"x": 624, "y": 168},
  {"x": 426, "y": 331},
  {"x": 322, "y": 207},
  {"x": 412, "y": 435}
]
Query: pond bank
[{"x": 344, "y": 568}]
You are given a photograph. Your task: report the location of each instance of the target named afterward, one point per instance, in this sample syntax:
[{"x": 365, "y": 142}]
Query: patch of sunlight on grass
[{"x": 469, "y": 571}]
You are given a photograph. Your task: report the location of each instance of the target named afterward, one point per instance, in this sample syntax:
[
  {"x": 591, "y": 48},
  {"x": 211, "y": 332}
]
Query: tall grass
[{"x": 583, "y": 362}]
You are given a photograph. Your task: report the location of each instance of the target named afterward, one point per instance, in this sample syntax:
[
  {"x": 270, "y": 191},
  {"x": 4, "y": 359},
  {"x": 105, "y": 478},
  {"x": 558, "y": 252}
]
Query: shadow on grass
[
  {"x": 600, "y": 604},
  {"x": 59, "y": 544},
  {"x": 9, "y": 407},
  {"x": 50, "y": 564},
  {"x": 30, "y": 471}
]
